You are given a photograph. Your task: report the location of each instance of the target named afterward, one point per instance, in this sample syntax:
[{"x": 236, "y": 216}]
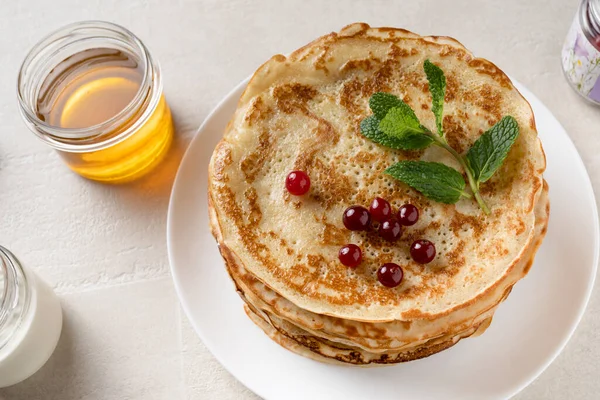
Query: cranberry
[
  {"x": 350, "y": 255},
  {"x": 408, "y": 215},
  {"x": 390, "y": 229},
  {"x": 390, "y": 275},
  {"x": 357, "y": 218},
  {"x": 297, "y": 183},
  {"x": 422, "y": 251},
  {"x": 380, "y": 209}
]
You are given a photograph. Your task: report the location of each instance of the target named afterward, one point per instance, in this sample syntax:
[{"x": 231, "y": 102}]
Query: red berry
[
  {"x": 297, "y": 183},
  {"x": 422, "y": 251},
  {"x": 390, "y": 275},
  {"x": 350, "y": 255},
  {"x": 408, "y": 215},
  {"x": 390, "y": 230},
  {"x": 357, "y": 218},
  {"x": 380, "y": 209}
]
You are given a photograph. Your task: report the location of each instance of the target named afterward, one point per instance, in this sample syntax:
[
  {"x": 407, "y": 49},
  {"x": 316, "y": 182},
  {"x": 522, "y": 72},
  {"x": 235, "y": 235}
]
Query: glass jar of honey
[{"x": 93, "y": 92}]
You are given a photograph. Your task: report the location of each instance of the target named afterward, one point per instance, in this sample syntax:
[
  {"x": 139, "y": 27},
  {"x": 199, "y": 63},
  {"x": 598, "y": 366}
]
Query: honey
[{"x": 100, "y": 107}]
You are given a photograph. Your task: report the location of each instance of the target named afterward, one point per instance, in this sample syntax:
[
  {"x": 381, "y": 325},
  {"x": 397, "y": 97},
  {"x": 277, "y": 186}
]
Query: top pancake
[{"x": 303, "y": 113}]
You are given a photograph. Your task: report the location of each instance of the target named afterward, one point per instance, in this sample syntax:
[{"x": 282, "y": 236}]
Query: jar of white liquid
[{"x": 30, "y": 321}]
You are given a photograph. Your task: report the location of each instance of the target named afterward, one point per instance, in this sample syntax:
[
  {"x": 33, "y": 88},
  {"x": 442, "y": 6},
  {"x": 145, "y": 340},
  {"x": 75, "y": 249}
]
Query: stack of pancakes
[{"x": 303, "y": 112}]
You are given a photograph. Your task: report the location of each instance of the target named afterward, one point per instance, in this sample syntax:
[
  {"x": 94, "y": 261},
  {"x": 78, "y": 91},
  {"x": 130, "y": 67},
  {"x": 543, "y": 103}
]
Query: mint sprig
[
  {"x": 394, "y": 124},
  {"x": 489, "y": 151},
  {"x": 380, "y": 103},
  {"x": 370, "y": 129},
  {"x": 435, "y": 180},
  {"x": 437, "y": 88},
  {"x": 401, "y": 121}
]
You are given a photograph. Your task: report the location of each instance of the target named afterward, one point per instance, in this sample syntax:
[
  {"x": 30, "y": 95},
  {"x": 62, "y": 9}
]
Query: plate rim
[{"x": 248, "y": 383}]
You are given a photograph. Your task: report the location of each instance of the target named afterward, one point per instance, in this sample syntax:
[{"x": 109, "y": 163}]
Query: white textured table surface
[{"x": 103, "y": 248}]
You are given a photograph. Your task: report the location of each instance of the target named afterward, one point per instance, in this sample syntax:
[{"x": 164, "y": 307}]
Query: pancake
[
  {"x": 302, "y": 343},
  {"x": 303, "y": 112},
  {"x": 380, "y": 337}
]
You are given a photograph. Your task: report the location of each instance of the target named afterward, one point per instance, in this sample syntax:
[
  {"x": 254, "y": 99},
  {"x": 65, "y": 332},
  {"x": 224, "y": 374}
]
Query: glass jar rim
[
  {"x": 589, "y": 18},
  {"x": 12, "y": 272},
  {"x": 59, "y": 137}
]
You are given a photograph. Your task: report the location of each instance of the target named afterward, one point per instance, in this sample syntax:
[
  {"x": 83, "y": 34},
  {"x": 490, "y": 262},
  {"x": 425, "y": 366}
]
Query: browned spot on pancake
[
  {"x": 374, "y": 332},
  {"x": 304, "y": 161},
  {"x": 452, "y": 87},
  {"x": 489, "y": 188},
  {"x": 247, "y": 232},
  {"x": 425, "y": 106},
  {"x": 321, "y": 61},
  {"x": 398, "y": 52},
  {"x": 332, "y": 235},
  {"x": 316, "y": 261},
  {"x": 536, "y": 186},
  {"x": 459, "y": 220},
  {"x": 363, "y": 64},
  {"x": 488, "y": 100},
  {"x": 456, "y": 259},
  {"x": 289, "y": 251},
  {"x": 349, "y": 330},
  {"x": 297, "y": 204},
  {"x": 293, "y": 97},
  {"x": 272, "y": 234},
  {"x": 485, "y": 67},
  {"x": 414, "y": 314},
  {"x": 437, "y": 290},
  {"x": 253, "y": 163},
  {"x": 349, "y": 94},
  {"x": 499, "y": 248},
  {"x": 414, "y": 79},
  {"x": 380, "y": 80},
  {"x": 456, "y": 135},
  {"x": 528, "y": 266},
  {"x": 529, "y": 174},
  {"x": 532, "y": 123},
  {"x": 446, "y": 51},
  {"x": 279, "y": 58},
  {"x": 222, "y": 160},
  {"x": 410, "y": 235},
  {"x": 464, "y": 117},
  {"x": 331, "y": 187},
  {"x": 325, "y": 132},
  {"x": 364, "y": 157},
  {"x": 354, "y": 91},
  {"x": 257, "y": 111},
  {"x": 518, "y": 225}
]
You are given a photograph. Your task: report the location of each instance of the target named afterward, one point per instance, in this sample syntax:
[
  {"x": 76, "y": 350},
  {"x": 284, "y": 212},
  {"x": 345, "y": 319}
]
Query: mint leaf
[
  {"x": 369, "y": 127},
  {"x": 489, "y": 151},
  {"x": 381, "y": 103},
  {"x": 434, "y": 180},
  {"x": 401, "y": 121},
  {"x": 437, "y": 88}
]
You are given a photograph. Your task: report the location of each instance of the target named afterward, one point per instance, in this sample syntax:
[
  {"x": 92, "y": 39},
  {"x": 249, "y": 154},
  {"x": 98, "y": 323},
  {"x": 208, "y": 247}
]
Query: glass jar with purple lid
[{"x": 581, "y": 51}]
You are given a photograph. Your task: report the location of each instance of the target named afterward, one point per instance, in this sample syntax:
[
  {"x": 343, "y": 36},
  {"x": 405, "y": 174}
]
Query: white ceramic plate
[{"x": 528, "y": 331}]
